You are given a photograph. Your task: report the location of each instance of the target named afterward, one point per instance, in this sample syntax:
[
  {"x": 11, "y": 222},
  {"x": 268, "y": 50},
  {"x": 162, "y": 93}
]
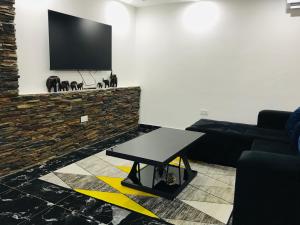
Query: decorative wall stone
[
  {"x": 35, "y": 128},
  {"x": 8, "y": 57}
]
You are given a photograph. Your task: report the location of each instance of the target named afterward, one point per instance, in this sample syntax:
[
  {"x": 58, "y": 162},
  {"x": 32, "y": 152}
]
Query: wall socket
[
  {"x": 84, "y": 119},
  {"x": 204, "y": 112}
]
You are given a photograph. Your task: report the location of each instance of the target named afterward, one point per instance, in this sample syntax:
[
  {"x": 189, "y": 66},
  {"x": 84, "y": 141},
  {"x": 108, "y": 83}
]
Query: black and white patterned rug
[{"x": 207, "y": 200}]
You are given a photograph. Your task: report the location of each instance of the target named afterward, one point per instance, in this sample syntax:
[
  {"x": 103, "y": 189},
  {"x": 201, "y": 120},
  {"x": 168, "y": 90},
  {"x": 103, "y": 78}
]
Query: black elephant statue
[
  {"x": 99, "y": 85},
  {"x": 53, "y": 83},
  {"x": 64, "y": 86},
  {"x": 113, "y": 80},
  {"x": 80, "y": 86},
  {"x": 74, "y": 85},
  {"x": 106, "y": 83}
]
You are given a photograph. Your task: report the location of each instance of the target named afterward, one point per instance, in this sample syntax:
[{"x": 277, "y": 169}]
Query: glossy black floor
[{"x": 26, "y": 200}]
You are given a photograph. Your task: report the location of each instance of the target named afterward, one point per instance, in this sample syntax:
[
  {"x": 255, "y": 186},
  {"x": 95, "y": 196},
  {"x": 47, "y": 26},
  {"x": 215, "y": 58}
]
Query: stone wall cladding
[
  {"x": 8, "y": 57},
  {"x": 35, "y": 128}
]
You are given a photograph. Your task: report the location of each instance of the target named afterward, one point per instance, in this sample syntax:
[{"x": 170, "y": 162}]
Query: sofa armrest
[
  {"x": 272, "y": 119},
  {"x": 267, "y": 189}
]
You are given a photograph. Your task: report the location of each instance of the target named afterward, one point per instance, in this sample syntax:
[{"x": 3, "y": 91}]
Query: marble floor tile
[
  {"x": 17, "y": 207},
  {"x": 94, "y": 209},
  {"x": 4, "y": 189},
  {"x": 62, "y": 161},
  {"x": 46, "y": 191},
  {"x": 52, "y": 178},
  {"x": 85, "y": 182},
  {"x": 18, "y": 179},
  {"x": 59, "y": 216},
  {"x": 73, "y": 169}
]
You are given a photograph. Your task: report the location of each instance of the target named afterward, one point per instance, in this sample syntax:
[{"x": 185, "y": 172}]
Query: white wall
[
  {"x": 33, "y": 41},
  {"x": 247, "y": 61}
]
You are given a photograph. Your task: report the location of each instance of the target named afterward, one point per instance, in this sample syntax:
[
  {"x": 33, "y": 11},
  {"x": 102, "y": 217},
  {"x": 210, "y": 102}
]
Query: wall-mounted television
[{"x": 78, "y": 44}]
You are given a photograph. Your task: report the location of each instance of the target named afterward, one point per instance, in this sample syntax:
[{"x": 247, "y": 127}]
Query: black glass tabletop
[{"x": 157, "y": 147}]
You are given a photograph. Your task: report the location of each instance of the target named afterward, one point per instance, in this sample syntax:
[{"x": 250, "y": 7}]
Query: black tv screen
[{"x": 78, "y": 44}]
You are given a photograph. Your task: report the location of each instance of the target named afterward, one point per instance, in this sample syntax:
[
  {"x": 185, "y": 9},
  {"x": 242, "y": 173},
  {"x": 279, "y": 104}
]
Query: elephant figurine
[
  {"x": 106, "y": 83},
  {"x": 74, "y": 85},
  {"x": 113, "y": 80},
  {"x": 80, "y": 86},
  {"x": 53, "y": 83},
  {"x": 64, "y": 86},
  {"x": 99, "y": 85}
]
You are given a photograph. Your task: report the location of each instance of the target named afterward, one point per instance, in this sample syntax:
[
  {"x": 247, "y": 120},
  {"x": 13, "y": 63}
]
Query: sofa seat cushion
[
  {"x": 273, "y": 147},
  {"x": 238, "y": 130},
  {"x": 220, "y": 127},
  {"x": 268, "y": 134}
]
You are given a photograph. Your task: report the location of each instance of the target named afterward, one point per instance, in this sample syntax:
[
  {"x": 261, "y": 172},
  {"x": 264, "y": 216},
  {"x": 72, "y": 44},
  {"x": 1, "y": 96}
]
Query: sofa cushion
[
  {"x": 220, "y": 127},
  {"x": 268, "y": 134},
  {"x": 273, "y": 147},
  {"x": 292, "y": 121},
  {"x": 239, "y": 130}
]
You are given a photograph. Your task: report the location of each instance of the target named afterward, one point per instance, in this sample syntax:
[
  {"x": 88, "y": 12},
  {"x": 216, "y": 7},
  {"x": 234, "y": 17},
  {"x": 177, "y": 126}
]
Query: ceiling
[{"x": 143, "y": 3}]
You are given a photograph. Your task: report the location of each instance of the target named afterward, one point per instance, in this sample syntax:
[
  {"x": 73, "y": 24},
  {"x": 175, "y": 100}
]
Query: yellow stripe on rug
[{"x": 116, "y": 184}]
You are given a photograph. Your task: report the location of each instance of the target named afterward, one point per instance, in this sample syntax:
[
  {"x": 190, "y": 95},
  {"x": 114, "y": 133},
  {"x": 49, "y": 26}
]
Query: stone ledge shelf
[{"x": 81, "y": 91}]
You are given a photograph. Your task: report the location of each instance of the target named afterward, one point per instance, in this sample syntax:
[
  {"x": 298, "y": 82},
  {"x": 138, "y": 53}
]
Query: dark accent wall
[
  {"x": 8, "y": 57},
  {"x": 35, "y": 128}
]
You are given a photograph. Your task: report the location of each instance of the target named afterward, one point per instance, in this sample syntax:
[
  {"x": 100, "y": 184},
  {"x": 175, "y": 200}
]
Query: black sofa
[
  {"x": 224, "y": 142},
  {"x": 268, "y": 166}
]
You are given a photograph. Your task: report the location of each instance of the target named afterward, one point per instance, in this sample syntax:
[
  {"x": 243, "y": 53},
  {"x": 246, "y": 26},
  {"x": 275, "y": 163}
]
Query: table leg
[
  {"x": 133, "y": 173},
  {"x": 154, "y": 175},
  {"x": 167, "y": 173},
  {"x": 179, "y": 169},
  {"x": 188, "y": 171},
  {"x": 141, "y": 179}
]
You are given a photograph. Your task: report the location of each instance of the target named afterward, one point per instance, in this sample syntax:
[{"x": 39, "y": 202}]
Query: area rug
[{"x": 207, "y": 200}]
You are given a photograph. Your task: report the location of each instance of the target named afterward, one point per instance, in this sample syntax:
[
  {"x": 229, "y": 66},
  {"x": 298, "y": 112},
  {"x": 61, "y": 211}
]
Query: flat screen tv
[{"x": 78, "y": 44}]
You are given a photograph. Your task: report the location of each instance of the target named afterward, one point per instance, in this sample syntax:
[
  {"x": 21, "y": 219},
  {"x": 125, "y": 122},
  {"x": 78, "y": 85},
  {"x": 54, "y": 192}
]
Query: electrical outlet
[
  {"x": 84, "y": 119},
  {"x": 204, "y": 112}
]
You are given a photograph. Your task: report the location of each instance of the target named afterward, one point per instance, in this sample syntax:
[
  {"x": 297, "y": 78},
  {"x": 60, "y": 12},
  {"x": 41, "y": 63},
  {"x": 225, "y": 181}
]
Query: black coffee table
[{"x": 157, "y": 149}]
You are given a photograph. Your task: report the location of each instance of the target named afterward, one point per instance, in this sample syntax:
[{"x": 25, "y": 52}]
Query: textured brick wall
[
  {"x": 8, "y": 58},
  {"x": 34, "y": 128}
]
